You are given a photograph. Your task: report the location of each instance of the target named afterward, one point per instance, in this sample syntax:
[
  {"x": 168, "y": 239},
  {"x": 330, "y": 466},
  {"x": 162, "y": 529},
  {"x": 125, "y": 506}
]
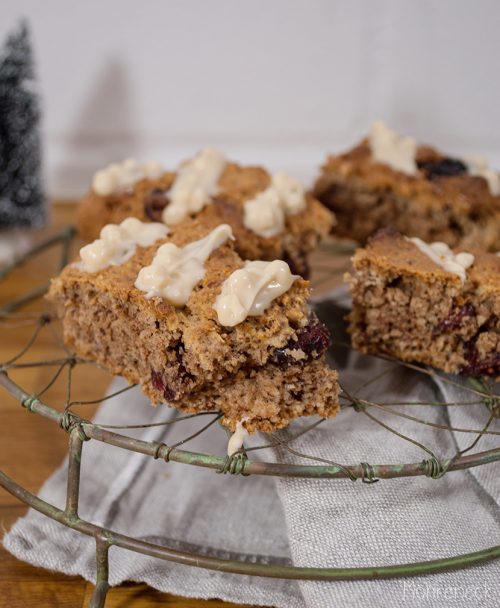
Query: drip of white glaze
[{"x": 235, "y": 442}]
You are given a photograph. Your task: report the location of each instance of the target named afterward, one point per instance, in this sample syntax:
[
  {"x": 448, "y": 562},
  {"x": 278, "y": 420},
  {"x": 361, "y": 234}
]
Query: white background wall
[{"x": 274, "y": 81}]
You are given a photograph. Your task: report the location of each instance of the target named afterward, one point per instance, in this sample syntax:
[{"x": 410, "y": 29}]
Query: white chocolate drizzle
[
  {"x": 175, "y": 271},
  {"x": 235, "y": 442},
  {"x": 251, "y": 289},
  {"x": 119, "y": 177},
  {"x": 265, "y": 213},
  {"x": 117, "y": 243},
  {"x": 442, "y": 255},
  {"x": 478, "y": 166},
  {"x": 389, "y": 148},
  {"x": 290, "y": 191},
  {"x": 195, "y": 183}
]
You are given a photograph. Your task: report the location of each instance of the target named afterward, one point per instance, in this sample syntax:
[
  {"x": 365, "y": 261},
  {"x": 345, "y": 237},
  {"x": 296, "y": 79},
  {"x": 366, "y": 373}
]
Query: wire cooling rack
[{"x": 479, "y": 391}]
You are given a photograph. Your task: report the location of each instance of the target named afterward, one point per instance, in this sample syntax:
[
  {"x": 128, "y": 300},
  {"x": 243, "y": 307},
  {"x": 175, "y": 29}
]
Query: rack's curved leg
[{"x": 102, "y": 583}]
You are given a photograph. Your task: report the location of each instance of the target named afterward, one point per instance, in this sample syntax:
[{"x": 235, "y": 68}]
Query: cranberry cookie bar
[
  {"x": 390, "y": 181},
  {"x": 427, "y": 303},
  {"x": 271, "y": 215},
  {"x": 185, "y": 317}
]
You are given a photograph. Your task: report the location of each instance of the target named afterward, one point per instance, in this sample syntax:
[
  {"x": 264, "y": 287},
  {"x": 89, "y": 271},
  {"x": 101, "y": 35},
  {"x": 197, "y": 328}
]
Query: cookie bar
[
  {"x": 390, "y": 181},
  {"x": 185, "y": 317},
  {"x": 427, "y": 303},
  {"x": 271, "y": 216}
]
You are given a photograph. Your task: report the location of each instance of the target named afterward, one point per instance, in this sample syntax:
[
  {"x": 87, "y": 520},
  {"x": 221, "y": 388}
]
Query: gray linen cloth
[{"x": 336, "y": 523}]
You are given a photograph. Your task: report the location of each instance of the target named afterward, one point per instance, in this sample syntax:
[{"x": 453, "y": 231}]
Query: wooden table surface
[{"x": 31, "y": 447}]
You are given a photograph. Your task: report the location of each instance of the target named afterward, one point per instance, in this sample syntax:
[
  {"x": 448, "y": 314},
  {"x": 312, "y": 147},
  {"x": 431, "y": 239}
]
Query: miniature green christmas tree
[{"x": 21, "y": 192}]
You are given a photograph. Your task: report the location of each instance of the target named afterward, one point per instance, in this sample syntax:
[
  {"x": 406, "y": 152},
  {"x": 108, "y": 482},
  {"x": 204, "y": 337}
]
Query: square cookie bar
[
  {"x": 390, "y": 181},
  {"x": 428, "y": 304},
  {"x": 185, "y": 317}
]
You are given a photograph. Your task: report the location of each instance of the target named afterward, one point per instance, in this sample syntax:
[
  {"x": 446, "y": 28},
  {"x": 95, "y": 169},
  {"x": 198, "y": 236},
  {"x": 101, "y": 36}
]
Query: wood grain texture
[{"x": 31, "y": 448}]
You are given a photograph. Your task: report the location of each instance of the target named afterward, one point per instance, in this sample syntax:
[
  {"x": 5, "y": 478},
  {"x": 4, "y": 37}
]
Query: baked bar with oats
[
  {"x": 185, "y": 317},
  {"x": 271, "y": 215},
  {"x": 390, "y": 181},
  {"x": 426, "y": 303}
]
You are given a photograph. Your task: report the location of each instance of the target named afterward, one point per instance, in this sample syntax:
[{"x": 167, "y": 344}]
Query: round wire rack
[{"x": 247, "y": 461}]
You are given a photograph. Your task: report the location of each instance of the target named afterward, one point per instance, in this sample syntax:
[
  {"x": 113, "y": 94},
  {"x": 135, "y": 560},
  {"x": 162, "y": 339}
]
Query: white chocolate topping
[
  {"x": 117, "y": 243},
  {"x": 265, "y": 213},
  {"x": 290, "y": 192},
  {"x": 251, "y": 289},
  {"x": 195, "y": 183},
  {"x": 122, "y": 176},
  {"x": 391, "y": 149},
  {"x": 442, "y": 255},
  {"x": 235, "y": 442},
  {"x": 479, "y": 166},
  {"x": 175, "y": 271}
]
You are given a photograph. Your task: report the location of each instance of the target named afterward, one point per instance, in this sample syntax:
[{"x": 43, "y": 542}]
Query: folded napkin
[{"x": 322, "y": 523}]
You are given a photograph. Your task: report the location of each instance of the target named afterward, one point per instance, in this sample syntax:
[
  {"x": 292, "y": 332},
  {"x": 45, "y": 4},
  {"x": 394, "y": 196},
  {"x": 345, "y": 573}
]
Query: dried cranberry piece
[
  {"x": 157, "y": 381},
  {"x": 183, "y": 376},
  {"x": 446, "y": 167},
  {"x": 159, "y": 385},
  {"x": 182, "y": 371},
  {"x": 169, "y": 394},
  {"x": 154, "y": 204},
  {"x": 313, "y": 340},
  {"x": 455, "y": 319},
  {"x": 477, "y": 366}
]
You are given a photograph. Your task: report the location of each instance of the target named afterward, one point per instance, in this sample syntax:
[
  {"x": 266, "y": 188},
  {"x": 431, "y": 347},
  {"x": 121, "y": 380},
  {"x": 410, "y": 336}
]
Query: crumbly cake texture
[
  {"x": 405, "y": 305},
  {"x": 271, "y": 397},
  {"x": 253, "y": 371},
  {"x": 442, "y": 202},
  {"x": 237, "y": 184}
]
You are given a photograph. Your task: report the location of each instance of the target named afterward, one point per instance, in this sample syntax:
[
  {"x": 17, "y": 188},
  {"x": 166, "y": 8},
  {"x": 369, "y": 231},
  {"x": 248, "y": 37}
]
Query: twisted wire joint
[
  {"x": 368, "y": 475},
  {"x": 434, "y": 469},
  {"x": 235, "y": 465},
  {"x": 70, "y": 421},
  {"x": 29, "y": 401}
]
